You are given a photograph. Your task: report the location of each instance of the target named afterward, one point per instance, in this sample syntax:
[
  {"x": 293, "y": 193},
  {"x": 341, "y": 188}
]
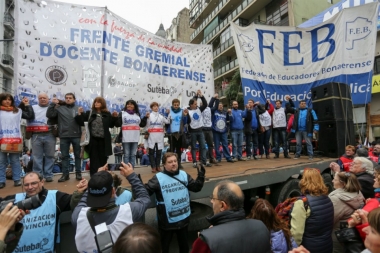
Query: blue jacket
[
  {"x": 217, "y": 115},
  {"x": 236, "y": 119},
  {"x": 305, "y": 120},
  {"x": 278, "y": 242}
]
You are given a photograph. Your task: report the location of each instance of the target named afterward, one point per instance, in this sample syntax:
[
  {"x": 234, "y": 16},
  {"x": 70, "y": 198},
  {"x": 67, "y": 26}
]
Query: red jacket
[
  {"x": 346, "y": 162},
  {"x": 373, "y": 157},
  {"x": 369, "y": 206}
]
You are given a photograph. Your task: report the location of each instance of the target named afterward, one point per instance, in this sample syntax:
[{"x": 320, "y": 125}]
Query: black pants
[
  {"x": 209, "y": 139},
  {"x": 97, "y": 154},
  {"x": 175, "y": 146},
  {"x": 155, "y": 156},
  {"x": 166, "y": 238}
]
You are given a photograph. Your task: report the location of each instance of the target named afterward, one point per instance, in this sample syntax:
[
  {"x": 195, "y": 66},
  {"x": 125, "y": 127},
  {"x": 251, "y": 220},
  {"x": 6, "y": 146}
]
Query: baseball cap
[{"x": 99, "y": 189}]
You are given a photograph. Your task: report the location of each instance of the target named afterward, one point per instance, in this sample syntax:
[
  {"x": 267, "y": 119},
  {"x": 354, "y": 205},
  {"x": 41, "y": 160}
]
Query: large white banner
[
  {"x": 279, "y": 61},
  {"x": 61, "y": 48}
]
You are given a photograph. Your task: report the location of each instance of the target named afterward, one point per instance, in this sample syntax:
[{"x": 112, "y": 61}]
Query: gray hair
[{"x": 367, "y": 164}]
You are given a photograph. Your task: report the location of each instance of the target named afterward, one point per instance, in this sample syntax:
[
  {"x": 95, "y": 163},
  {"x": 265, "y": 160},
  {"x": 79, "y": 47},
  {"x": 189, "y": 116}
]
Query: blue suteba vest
[
  {"x": 39, "y": 226},
  {"x": 219, "y": 121},
  {"x": 176, "y": 196},
  {"x": 176, "y": 118}
]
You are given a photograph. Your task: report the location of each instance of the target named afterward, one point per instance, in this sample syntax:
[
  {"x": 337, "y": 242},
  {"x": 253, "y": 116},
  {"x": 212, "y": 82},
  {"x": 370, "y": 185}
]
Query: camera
[
  {"x": 26, "y": 204},
  {"x": 114, "y": 166}
]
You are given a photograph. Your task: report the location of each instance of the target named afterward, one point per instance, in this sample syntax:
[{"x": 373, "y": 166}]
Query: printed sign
[
  {"x": 279, "y": 61},
  {"x": 90, "y": 51}
]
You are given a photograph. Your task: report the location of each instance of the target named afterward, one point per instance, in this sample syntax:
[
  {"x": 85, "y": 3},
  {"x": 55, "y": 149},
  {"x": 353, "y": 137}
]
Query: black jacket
[
  {"x": 153, "y": 186},
  {"x": 366, "y": 182},
  {"x": 231, "y": 232},
  {"x": 67, "y": 126},
  {"x": 108, "y": 122}
]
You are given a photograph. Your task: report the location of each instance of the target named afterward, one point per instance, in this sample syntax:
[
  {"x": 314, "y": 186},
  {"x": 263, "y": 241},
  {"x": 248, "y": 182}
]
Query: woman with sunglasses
[{"x": 346, "y": 198}]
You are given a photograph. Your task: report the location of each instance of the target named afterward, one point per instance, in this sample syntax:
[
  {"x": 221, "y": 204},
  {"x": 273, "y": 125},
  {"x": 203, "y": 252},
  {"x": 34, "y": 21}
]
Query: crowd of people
[{"x": 106, "y": 215}]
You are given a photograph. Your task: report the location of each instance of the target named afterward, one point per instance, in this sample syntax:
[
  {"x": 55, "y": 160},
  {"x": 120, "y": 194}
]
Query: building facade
[
  {"x": 7, "y": 30},
  {"x": 179, "y": 30},
  {"x": 210, "y": 19}
]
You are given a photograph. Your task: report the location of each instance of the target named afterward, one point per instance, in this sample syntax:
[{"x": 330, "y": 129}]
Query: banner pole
[{"x": 103, "y": 62}]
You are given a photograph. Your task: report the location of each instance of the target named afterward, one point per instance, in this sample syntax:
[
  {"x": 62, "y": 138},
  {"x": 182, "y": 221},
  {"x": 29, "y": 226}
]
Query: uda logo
[{"x": 357, "y": 30}]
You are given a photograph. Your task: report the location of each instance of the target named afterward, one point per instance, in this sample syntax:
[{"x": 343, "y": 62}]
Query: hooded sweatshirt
[{"x": 278, "y": 242}]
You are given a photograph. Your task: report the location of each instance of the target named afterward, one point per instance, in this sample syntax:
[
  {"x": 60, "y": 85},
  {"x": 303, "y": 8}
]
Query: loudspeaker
[
  {"x": 334, "y": 136},
  {"x": 332, "y": 101}
]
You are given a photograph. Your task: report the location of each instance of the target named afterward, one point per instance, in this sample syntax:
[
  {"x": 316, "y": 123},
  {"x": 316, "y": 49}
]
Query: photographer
[
  {"x": 10, "y": 229},
  {"x": 41, "y": 225},
  {"x": 98, "y": 206}
]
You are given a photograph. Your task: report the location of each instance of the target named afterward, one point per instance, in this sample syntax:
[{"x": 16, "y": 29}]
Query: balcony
[
  {"x": 7, "y": 61},
  {"x": 226, "y": 68},
  {"x": 223, "y": 47},
  {"x": 208, "y": 19},
  {"x": 9, "y": 21}
]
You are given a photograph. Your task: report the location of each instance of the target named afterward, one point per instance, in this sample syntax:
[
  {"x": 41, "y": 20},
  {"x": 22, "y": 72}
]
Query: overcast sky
[{"x": 147, "y": 14}]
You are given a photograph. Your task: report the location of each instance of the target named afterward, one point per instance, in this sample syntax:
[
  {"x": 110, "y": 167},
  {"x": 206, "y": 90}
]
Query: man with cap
[{"x": 99, "y": 201}]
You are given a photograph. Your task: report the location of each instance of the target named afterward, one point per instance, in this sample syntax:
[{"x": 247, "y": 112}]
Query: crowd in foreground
[{"x": 312, "y": 224}]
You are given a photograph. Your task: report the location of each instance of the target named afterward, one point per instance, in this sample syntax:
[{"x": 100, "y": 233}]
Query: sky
[{"x": 147, "y": 14}]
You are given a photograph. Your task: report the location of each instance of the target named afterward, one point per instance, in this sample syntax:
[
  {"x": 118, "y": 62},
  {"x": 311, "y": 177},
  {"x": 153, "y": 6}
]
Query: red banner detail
[
  {"x": 37, "y": 128},
  {"x": 155, "y": 130},
  {"x": 10, "y": 141},
  {"x": 130, "y": 128}
]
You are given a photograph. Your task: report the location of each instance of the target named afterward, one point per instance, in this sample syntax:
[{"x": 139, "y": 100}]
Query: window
[
  {"x": 376, "y": 66},
  {"x": 277, "y": 11}
]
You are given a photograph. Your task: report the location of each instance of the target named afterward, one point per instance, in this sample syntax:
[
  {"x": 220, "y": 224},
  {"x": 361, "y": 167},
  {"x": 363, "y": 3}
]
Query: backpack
[{"x": 285, "y": 208}]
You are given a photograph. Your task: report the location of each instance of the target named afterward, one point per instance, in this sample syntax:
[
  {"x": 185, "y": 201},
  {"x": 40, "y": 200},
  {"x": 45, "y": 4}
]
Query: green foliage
[{"x": 233, "y": 89}]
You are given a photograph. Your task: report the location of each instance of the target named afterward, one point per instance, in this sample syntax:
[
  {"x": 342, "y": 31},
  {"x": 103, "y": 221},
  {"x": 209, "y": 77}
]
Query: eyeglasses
[
  {"x": 212, "y": 197},
  {"x": 32, "y": 184}
]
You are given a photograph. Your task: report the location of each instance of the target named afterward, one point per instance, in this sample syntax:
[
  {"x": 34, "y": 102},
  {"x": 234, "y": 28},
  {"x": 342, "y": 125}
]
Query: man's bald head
[{"x": 231, "y": 194}]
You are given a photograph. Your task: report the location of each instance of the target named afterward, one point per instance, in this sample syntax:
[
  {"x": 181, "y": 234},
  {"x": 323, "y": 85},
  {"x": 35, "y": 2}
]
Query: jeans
[
  {"x": 303, "y": 135},
  {"x": 264, "y": 141},
  {"x": 117, "y": 158},
  {"x": 254, "y": 139},
  {"x": 130, "y": 149},
  {"x": 65, "y": 147},
  {"x": 237, "y": 143},
  {"x": 43, "y": 146},
  {"x": 221, "y": 138},
  {"x": 279, "y": 136},
  {"x": 15, "y": 164},
  {"x": 210, "y": 143},
  {"x": 198, "y": 136}
]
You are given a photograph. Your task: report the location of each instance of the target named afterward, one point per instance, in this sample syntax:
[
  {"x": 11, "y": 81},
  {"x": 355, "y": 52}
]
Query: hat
[
  {"x": 99, "y": 189},
  {"x": 362, "y": 152}
]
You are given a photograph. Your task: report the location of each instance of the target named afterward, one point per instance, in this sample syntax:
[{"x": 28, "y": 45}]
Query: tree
[{"x": 234, "y": 88}]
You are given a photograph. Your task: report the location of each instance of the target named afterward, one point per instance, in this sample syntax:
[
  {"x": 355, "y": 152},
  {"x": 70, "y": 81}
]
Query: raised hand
[
  {"x": 115, "y": 114},
  {"x": 80, "y": 110},
  {"x": 126, "y": 169}
]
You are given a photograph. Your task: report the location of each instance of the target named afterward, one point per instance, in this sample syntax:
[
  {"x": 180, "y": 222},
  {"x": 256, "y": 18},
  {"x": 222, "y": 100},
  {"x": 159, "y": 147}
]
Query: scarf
[
  {"x": 131, "y": 112},
  {"x": 176, "y": 110},
  {"x": 6, "y": 108}
]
